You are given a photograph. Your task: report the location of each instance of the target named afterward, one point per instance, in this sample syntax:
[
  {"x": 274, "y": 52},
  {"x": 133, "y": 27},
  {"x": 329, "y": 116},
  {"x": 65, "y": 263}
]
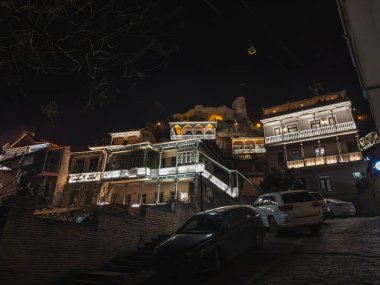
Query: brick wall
[{"x": 38, "y": 251}]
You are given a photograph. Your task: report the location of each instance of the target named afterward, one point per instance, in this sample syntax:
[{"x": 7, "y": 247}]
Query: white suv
[{"x": 289, "y": 209}]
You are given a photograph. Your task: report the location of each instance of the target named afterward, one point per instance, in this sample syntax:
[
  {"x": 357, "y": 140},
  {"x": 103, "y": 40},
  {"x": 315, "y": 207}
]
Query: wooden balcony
[
  {"x": 248, "y": 150},
  {"x": 198, "y": 136},
  {"x": 323, "y": 160},
  {"x": 331, "y": 129}
]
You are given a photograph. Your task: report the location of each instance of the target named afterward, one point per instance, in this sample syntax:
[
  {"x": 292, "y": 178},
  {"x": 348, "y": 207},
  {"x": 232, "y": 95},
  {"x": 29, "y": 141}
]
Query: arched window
[
  {"x": 209, "y": 132},
  {"x": 189, "y": 133},
  {"x": 199, "y": 132},
  {"x": 177, "y": 130}
]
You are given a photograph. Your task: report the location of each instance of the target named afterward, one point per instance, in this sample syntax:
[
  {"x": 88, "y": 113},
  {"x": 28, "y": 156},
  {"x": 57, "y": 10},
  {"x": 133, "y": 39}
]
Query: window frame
[
  {"x": 334, "y": 120},
  {"x": 319, "y": 154},
  {"x": 291, "y": 127},
  {"x": 294, "y": 150},
  {"x": 324, "y": 179},
  {"x": 275, "y": 131},
  {"x": 315, "y": 122}
]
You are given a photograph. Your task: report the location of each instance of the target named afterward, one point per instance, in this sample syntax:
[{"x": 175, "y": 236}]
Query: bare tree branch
[{"x": 105, "y": 41}]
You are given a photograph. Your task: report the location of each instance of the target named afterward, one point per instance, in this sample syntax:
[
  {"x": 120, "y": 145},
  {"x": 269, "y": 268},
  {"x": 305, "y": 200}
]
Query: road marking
[{"x": 257, "y": 276}]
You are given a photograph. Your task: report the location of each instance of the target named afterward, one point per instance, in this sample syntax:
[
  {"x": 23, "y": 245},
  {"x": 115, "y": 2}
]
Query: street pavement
[{"x": 346, "y": 251}]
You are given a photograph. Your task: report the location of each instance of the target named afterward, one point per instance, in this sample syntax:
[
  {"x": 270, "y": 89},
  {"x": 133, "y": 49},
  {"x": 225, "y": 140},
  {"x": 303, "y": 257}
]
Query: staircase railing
[{"x": 234, "y": 179}]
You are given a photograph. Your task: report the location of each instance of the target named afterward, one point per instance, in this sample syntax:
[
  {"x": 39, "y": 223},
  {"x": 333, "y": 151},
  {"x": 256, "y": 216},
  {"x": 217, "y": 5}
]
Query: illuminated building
[
  {"x": 318, "y": 137},
  {"x": 146, "y": 173}
]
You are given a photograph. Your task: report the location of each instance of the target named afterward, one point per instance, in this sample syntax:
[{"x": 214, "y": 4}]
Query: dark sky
[{"x": 298, "y": 43}]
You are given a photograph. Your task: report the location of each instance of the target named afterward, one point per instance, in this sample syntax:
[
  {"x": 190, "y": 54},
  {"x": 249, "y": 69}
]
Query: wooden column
[
  {"x": 339, "y": 149},
  {"x": 286, "y": 156},
  {"x": 302, "y": 153}
]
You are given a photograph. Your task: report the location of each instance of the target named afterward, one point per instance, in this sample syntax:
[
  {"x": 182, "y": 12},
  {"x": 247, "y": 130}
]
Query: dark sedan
[{"x": 211, "y": 238}]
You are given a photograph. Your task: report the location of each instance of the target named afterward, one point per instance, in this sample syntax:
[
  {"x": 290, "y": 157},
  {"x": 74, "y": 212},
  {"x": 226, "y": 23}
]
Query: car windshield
[
  {"x": 317, "y": 196},
  {"x": 202, "y": 224}
]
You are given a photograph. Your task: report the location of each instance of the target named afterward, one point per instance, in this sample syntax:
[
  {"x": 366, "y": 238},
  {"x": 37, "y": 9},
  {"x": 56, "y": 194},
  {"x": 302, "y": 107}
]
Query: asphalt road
[{"x": 347, "y": 251}]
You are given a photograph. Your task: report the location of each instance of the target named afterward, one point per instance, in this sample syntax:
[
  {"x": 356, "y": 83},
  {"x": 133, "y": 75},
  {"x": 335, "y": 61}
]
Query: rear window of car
[
  {"x": 297, "y": 197},
  {"x": 317, "y": 196}
]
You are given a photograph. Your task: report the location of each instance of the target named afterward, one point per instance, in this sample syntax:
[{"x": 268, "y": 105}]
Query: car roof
[
  {"x": 285, "y": 192},
  {"x": 224, "y": 209}
]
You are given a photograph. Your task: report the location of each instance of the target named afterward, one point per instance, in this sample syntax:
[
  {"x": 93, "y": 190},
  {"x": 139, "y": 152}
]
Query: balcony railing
[
  {"x": 331, "y": 129},
  {"x": 248, "y": 150},
  {"x": 331, "y": 159},
  {"x": 186, "y": 137}
]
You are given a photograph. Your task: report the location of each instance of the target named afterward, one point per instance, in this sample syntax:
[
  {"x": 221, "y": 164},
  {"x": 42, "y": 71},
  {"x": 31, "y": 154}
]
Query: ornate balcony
[
  {"x": 205, "y": 130},
  {"x": 323, "y": 160},
  {"x": 249, "y": 150},
  {"x": 198, "y": 136},
  {"x": 331, "y": 129}
]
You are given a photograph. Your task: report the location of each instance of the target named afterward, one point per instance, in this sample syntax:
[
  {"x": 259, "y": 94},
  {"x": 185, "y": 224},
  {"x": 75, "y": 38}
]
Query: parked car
[
  {"x": 322, "y": 202},
  {"x": 289, "y": 209},
  {"x": 341, "y": 208},
  {"x": 211, "y": 238}
]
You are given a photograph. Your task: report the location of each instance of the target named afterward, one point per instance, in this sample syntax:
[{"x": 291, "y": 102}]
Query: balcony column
[
  {"x": 339, "y": 149},
  {"x": 286, "y": 156},
  {"x": 176, "y": 189},
  {"x": 105, "y": 157},
  {"x": 158, "y": 191},
  {"x": 319, "y": 147},
  {"x": 302, "y": 153},
  {"x": 357, "y": 141},
  {"x": 141, "y": 192}
]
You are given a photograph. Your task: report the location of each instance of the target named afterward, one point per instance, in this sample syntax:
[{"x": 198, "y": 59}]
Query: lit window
[
  {"x": 332, "y": 121},
  {"x": 277, "y": 131},
  {"x": 292, "y": 128},
  {"x": 315, "y": 124},
  {"x": 319, "y": 151}
]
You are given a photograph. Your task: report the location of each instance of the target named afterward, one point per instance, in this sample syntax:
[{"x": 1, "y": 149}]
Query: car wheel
[
  {"x": 259, "y": 238},
  {"x": 315, "y": 228},
  {"x": 218, "y": 260},
  {"x": 274, "y": 228}
]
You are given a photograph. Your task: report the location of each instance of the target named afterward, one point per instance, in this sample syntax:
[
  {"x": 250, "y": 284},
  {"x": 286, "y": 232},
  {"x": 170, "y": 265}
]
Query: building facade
[
  {"x": 318, "y": 138},
  {"x": 34, "y": 166},
  {"x": 145, "y": 173}
]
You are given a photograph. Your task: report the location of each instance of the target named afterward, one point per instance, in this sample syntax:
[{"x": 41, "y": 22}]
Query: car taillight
[
  {"x": 316, "y": 204},
  {"x": 285, "y": 207}
]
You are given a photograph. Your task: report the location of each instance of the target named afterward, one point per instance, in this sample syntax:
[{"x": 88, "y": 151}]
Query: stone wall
[{"x": 38, "y": 250}]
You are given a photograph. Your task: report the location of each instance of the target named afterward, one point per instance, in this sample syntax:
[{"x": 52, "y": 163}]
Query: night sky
[{"x": 298, "y": 43}]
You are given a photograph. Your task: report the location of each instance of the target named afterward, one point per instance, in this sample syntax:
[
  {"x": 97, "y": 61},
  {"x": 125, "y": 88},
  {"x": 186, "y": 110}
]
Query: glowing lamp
[
  {"x": 377, "y": 166},
  {"x": 251, "y": 51}
]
